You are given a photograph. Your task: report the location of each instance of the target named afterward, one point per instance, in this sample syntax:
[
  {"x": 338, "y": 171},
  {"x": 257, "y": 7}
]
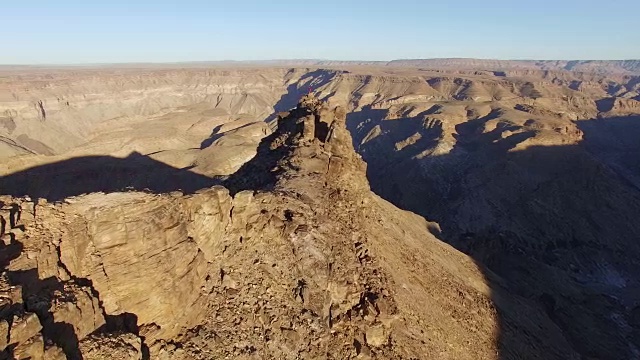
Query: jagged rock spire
[{"x": 310, "y": 140}]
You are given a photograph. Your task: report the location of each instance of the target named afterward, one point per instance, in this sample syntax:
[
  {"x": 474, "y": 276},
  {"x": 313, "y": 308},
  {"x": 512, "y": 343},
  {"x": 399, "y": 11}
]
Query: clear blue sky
[{"x": 74, "y": 31}]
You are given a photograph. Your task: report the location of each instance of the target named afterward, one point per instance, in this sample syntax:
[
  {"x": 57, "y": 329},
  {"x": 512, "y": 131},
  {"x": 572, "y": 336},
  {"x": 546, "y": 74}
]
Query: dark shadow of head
[{"x": 89, "y": 174}]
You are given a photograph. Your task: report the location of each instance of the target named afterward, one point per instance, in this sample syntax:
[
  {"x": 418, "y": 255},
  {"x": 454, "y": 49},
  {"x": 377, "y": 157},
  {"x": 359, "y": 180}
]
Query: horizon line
[{"x": 299, "y": 60}]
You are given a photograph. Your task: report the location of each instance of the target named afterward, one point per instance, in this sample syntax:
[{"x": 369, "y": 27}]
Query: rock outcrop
[
  {"x": 296, "y": 259},
  {"x": 538, "y": 187}
]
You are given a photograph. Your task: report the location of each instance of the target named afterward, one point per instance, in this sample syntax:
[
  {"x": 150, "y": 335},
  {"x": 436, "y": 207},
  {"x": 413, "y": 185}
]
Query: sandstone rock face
[
  {"x": 209, "y": 121},
  {"x": 111, "y": 250},
  {"x": 547, "y": 186},
  {"x": 297, "y": 259},
  {"x": 626, "y": 106},
  {"x": 33, "y": 348},
  {"x": 83, "y": 101},
  {"x": 24, "y": 328},
  {"x": 4, "y": 334}
]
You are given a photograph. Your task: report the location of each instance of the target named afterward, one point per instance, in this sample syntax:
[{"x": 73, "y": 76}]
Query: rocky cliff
[
  {"x": 41, "y": 114},
  {"x": 296, "y": 258}
]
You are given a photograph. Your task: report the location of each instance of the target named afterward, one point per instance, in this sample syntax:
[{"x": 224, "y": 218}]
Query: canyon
[{"x": 450, "y": 209}]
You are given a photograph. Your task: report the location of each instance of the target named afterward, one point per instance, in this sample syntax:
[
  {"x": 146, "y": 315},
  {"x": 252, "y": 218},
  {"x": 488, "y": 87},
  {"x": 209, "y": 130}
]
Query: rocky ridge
[
  {"x": 297, "y": 259},
  {"x": 490, "y": 155}
]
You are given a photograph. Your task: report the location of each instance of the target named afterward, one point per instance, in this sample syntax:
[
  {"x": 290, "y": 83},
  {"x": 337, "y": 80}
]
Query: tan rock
[
  {"x": 304, "y": 258},
  {"x": 210, "y": 218},
  {"x": 377, "y": 336},
  {"x": 308, "y": 128},
  {"x": 24, "y": 327},
  {"x": 76, "y": 306},
  {"x": 17, "y": 233},
  {"x": 4, "y": 334},
  {"x": 140, "y": 257},
  {"x": 32, "y": 349},
  {"x": 112, "y": 347},
  {"x": 54, "y": 353},
  {"x": 48, "y": 262}
]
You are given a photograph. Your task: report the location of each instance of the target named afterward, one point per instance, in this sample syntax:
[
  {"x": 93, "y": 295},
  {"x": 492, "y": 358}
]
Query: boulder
[{"x": 24, "y": 327}]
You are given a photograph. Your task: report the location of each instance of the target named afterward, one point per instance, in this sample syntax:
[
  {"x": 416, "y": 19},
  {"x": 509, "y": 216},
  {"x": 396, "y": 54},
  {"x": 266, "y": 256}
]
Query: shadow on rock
[
  {"x": 88, "y": 174},
  {"x": 554, "y": 228},
  {"x": 308, "y": 82},
  {"x": 614, "y": 141},
  {"x": 62, "y": 308}
]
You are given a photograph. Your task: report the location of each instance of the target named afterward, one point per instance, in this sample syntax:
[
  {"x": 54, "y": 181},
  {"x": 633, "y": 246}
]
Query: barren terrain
[{"x": 217, "y": 212}]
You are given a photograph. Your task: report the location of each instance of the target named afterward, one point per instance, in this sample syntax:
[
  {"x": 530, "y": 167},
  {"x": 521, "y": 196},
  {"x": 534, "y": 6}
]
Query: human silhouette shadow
[
  {"x": 87, "y": 174},
  {"x": 553, "y": 228}
]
